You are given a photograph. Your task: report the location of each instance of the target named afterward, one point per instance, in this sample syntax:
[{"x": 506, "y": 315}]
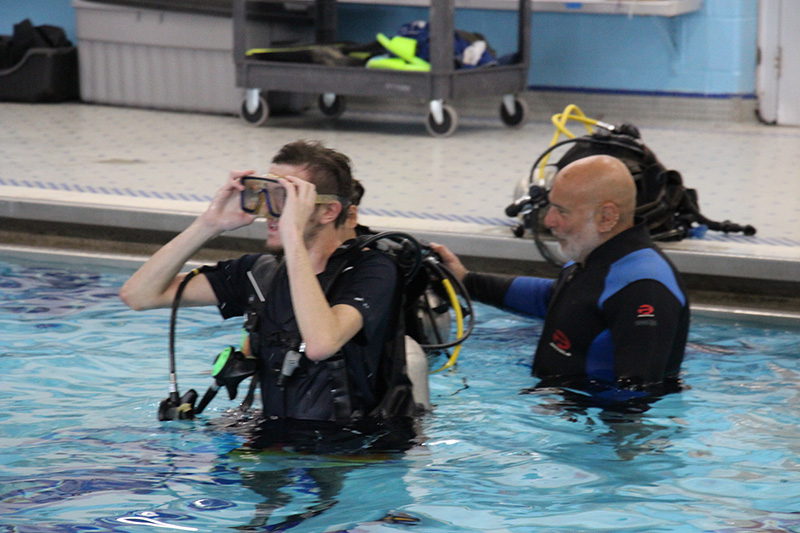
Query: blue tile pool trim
[{"x": 110, "y": 191}]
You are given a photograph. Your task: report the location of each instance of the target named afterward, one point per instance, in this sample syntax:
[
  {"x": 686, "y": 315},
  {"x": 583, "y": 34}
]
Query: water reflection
[{"x": 300, "y": 469}]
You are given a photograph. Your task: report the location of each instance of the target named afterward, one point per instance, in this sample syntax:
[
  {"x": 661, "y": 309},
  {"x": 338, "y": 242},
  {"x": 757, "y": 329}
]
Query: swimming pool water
[{"x": 82, "y": 449}]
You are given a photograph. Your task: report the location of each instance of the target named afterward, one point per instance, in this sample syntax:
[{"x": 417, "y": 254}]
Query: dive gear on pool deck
[{"x": 668, "y": 208}]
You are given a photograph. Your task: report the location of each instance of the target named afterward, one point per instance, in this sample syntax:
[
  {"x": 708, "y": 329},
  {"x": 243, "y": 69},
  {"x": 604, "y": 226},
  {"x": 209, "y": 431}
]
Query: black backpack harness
[{"x": 286, "y": 360}]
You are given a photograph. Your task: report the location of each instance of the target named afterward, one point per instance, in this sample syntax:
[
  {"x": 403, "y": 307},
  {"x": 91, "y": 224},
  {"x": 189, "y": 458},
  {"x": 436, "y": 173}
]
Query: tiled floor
[{"x": 154, "y": 170}]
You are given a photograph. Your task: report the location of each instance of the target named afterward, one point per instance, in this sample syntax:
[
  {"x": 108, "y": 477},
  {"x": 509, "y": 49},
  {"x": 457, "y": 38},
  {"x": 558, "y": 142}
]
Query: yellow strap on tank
[{"x": 448, "y": 287}]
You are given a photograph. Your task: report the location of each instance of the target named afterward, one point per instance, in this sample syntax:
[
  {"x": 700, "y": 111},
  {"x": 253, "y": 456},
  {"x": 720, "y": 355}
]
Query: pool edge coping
[{"x": 131, "y": 261}]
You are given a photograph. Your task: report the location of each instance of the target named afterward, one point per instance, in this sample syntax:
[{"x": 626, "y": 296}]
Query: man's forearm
[
  {"x": 487, "y": 288},
  {"x": 155, "y": 283}
]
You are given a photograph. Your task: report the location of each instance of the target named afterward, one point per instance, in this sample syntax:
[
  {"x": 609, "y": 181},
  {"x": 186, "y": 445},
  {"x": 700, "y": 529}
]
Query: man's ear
[
  {"x": 330, "y": 212},
  {"x": 608, "y": 217}
]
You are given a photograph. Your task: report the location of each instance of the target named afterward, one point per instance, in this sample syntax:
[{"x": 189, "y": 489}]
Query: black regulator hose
[
  {"x": 400, "y": 239},
  {"x": 587, "y": 139},
  {"x": 177, "y": 407},
  {"x": 173, "y": 319}
]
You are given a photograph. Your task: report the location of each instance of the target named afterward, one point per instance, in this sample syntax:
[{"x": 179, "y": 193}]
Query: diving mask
[{"x": 265, "y": 196}]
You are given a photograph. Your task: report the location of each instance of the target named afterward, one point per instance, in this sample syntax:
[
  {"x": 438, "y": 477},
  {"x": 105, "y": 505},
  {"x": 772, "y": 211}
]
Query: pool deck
[{"x": 102, "y": 171}]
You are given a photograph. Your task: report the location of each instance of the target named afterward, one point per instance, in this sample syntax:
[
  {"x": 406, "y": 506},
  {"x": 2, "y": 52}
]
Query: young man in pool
[
  {"x": 331, "y": 327},
  {"x": 617, "y": 317}
]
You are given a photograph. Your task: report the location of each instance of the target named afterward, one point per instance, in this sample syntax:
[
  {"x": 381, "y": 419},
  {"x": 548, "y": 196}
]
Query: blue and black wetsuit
[{"x": 621, "y": 319}]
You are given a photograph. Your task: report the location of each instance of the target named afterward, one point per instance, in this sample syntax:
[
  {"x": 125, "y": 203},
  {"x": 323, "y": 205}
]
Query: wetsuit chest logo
[
  {"x": 645, "y": 311},
  {"x": 646, "y": 316},
  {"x": 561, "y": 343}
]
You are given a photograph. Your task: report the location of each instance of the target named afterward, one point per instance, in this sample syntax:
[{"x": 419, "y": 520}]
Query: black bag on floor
[
  {"x": 38, "y": 64},
  {"x": 27, "y": 36}
]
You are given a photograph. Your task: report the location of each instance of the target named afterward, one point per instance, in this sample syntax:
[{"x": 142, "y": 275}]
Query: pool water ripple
[{"x": 82, "y": 449}]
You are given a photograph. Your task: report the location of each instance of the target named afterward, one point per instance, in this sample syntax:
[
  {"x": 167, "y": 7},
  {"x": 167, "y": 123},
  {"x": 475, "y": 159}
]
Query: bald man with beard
[{"x": 617, "y": 317}]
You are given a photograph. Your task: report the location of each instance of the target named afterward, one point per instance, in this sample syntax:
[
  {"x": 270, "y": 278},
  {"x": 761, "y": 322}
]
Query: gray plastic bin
[{"x": 166, "y": 59}]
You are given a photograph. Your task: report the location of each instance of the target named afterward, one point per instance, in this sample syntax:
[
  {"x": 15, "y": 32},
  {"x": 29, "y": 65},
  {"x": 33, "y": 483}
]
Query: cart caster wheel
[
  {"x": 448, "y": 125},
  {"x": 259, "y": 116},
  {"x": 517, "y": 120},
  {"x": 332, "y": 105}
]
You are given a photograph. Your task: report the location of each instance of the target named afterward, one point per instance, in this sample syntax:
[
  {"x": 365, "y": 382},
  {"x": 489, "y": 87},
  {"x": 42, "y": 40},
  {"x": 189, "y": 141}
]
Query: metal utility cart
[{"x": 334, "y": 83}]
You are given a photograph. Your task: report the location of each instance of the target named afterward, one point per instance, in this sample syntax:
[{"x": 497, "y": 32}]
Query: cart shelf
[{"x": 333, "y": 83}]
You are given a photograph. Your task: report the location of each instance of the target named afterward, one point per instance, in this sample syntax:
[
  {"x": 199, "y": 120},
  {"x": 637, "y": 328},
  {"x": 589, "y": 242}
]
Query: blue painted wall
[
  {"x": 711, "y": 52},
  {"x": 54, "y": 12}
]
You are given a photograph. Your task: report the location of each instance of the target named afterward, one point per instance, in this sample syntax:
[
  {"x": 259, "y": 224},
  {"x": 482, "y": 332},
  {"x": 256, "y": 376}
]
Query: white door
[{"x": 778, "y": 71}]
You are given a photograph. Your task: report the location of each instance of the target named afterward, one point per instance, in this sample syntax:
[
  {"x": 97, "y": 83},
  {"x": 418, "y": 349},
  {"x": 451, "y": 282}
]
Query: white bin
[{"x": 161, "y": 59}]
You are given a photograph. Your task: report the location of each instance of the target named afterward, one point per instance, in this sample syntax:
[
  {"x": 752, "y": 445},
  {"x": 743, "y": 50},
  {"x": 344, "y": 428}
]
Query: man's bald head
[
  {"x": 601, "y": 179},
  {"x": 592, "y": 200}
]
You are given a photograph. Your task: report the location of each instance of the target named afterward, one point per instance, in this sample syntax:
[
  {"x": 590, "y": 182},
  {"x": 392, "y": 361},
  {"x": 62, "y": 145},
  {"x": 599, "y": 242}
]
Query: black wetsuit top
[
  {"x": 368, "y": 285},
  {"x": 622, "y": 318}
]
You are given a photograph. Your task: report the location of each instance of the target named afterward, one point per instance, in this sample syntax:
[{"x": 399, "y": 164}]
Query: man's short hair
[
  {"x": 329, "y": 169},
  {"x": 358, "y": 192}
]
